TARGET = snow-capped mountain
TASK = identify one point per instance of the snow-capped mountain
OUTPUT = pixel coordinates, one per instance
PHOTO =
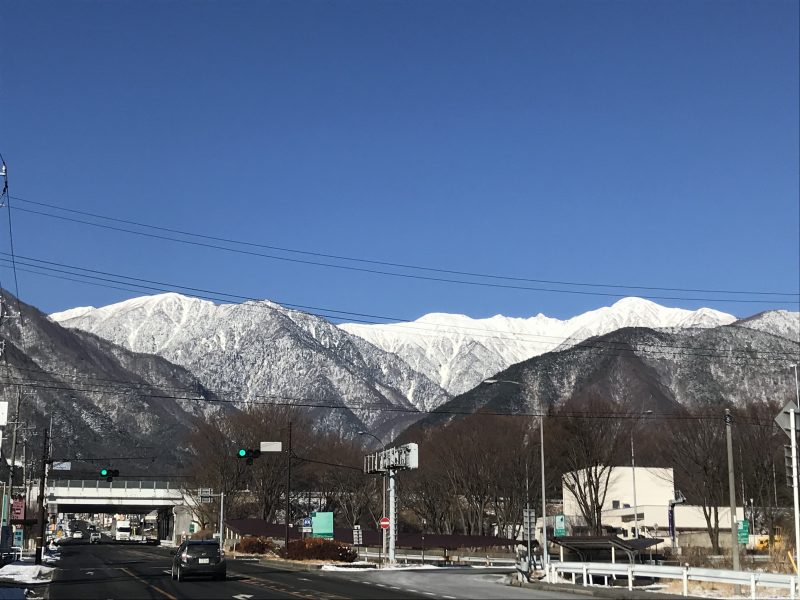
(642, 369)
(777, 322)
(98, 395)
(261, 351)
(458, 352)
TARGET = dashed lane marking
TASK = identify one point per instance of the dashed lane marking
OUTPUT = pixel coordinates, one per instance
(152, 587)
(276, 587)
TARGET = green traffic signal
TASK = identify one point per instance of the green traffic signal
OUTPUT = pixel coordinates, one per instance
(103, 472)
(242, 452)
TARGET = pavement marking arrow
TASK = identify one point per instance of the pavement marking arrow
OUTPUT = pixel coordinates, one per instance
(90, 572)
(243, 597)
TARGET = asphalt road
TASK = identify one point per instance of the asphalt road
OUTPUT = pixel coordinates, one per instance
(121, 572)
(107, 571)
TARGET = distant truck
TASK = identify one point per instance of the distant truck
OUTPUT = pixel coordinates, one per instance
(122, 530)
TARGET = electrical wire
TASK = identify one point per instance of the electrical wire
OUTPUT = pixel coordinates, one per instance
(300, 402)
(391, 264)
(371, 319)
(400, 275)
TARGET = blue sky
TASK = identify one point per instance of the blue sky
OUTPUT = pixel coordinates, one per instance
(638, 143)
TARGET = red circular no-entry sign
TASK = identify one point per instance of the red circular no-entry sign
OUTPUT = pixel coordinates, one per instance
(385, 523)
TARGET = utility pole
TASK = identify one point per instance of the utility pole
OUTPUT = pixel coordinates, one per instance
(7, 499)
(45, 460)
(288, 487)
(528, 520)
(221, 520)
(732, 492)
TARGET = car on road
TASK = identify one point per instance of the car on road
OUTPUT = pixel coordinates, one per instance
(199, 557)
(94, 537)
(77, 535)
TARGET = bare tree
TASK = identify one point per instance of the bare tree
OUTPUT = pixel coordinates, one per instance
(697, 450)
(588, 445)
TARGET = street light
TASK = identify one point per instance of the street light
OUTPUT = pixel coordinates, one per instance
(633, 474)
(383, 490)
(545, 554)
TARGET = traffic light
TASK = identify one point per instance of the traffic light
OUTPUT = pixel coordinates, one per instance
(109, 474)
(249, 454)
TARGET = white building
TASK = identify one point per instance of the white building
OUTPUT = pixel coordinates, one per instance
(654, 490)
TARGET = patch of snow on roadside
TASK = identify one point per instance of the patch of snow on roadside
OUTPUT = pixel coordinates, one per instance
(23, 573)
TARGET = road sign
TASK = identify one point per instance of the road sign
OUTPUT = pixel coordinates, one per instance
(3, 414)
(743, 531)
(561, 526)
(385, 523)
(528, 523)
(358, 536)
(307, 522)
(322, 524)
(62, 466)
(271, 446)
(782, 418)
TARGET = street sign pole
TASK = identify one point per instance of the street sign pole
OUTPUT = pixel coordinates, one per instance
(392, 517)
(732, 491)
(795, 494)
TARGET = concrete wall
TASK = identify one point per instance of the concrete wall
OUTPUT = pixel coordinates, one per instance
(653, 487)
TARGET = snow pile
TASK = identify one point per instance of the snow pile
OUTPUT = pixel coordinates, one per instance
(26, 573)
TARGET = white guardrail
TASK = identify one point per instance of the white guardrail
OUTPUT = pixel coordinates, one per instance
(490, 561)
(592, 572)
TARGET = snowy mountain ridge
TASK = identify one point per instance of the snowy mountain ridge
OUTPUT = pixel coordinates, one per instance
(458, 352)
(259, 350)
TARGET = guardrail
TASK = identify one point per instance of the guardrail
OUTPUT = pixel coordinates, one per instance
(590, 572)
(489, 561)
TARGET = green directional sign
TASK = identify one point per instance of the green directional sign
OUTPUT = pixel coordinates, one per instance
(743, 531)
(560, 529)
(322, 524)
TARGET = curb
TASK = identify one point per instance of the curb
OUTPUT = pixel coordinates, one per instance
(594, 591)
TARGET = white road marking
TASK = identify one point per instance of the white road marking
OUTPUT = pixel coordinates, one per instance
(380, 585)
(449, 597)
(394, 587)
(412, 591)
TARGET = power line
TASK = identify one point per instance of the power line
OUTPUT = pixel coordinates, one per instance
(5, 193)
(301, 402)
(387, 263)
(529, 338)
(407, 275)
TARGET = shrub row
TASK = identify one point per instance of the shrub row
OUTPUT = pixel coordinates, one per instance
(319, 549)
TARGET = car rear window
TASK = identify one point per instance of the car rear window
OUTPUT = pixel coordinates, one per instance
(203, 549)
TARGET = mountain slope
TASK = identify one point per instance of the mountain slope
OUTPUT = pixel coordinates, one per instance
(643, 369)
(261, 351)
(459, 352)
(777, 322)
(104, 400)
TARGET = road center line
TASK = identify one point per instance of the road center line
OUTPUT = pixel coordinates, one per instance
(152, 587)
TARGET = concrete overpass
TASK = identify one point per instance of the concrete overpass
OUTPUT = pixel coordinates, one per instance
(123, 496)
(93, 495)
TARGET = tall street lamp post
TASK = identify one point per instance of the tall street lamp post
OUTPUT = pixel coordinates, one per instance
(633, 475)
(383, 490)
(545, 554)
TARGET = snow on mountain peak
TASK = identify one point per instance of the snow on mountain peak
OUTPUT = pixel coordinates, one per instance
(459, 352)
(71, 313)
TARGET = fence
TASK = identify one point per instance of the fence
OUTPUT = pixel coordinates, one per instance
(591, 572)
(488, 561)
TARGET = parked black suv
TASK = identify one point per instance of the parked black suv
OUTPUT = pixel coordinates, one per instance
(199, 557)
